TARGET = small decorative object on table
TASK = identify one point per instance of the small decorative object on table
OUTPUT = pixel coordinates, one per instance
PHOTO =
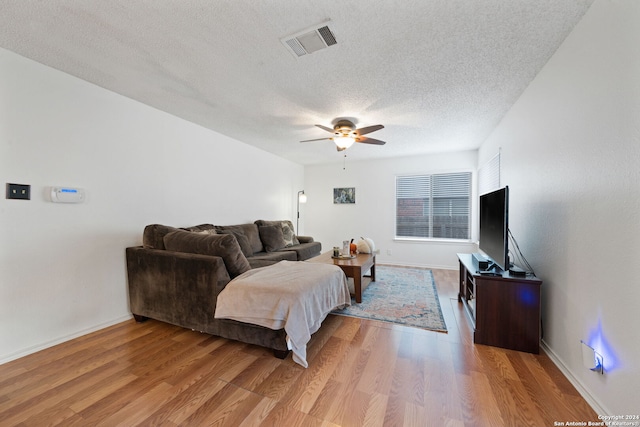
(344, 253)
(346, 248)
(366, 246)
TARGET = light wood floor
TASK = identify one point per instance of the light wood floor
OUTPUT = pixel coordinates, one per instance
(361, 373)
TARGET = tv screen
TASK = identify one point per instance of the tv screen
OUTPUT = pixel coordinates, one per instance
(494, 226)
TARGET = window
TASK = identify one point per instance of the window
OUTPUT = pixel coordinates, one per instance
(434, 206)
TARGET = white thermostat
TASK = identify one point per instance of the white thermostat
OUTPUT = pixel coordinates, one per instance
(67, 195)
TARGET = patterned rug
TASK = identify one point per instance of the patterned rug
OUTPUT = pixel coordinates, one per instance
(406, 296)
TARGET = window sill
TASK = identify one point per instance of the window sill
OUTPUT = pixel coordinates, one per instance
(432, 240)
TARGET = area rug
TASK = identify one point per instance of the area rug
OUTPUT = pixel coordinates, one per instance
(406, 296)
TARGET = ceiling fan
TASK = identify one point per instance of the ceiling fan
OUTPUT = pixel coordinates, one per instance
(345, 134)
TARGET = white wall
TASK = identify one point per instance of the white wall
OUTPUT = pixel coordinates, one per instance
(570, 153)
(373, 214)
(62, 267)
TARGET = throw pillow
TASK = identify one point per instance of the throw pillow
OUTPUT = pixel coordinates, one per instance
(204, 231)
(201, 227)
(284, 224)
(223, 245)
(287, 234)
(272, 237)
(242, 239)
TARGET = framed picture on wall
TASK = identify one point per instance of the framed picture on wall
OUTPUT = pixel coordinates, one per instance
(344, 195)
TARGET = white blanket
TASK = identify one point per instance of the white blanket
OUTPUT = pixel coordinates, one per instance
(293, 295)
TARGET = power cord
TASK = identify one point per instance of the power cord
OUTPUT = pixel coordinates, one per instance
(518, 254)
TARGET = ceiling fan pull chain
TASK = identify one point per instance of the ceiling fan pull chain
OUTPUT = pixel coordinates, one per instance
(344, 162)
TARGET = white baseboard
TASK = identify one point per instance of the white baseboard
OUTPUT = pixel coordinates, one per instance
(592, 401)
(34, 349)
(430, 267)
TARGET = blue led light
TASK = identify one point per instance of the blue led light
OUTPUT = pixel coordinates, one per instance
(528, 297)
(599, 343)
(68, 190)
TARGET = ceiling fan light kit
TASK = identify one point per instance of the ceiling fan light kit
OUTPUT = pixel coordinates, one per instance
(344, 142)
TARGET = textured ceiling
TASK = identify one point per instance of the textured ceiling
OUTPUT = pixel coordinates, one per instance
(439, 75)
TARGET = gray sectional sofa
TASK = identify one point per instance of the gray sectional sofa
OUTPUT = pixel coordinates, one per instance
(177, 274)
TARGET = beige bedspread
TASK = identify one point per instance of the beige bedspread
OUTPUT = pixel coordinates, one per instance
(293, 295)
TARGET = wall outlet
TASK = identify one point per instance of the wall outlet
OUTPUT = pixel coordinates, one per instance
(389, 252)
(18, 191)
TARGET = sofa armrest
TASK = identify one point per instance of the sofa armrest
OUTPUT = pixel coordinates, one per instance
(305, 239)
(175, 287)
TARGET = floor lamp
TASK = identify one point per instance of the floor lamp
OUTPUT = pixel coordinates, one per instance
(302, 198)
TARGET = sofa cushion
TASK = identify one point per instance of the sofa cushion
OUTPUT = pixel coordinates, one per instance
(153, 235)
(272, 237)
(304, 251)
(257, 262)
(223, 245)
(286, 225)
(263, 259)
(250, 230)
(242, 239)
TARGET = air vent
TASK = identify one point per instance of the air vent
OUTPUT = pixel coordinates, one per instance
(310, 40)
(327, 35)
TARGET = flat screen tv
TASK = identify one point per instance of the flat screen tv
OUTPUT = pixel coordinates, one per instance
(494, 226)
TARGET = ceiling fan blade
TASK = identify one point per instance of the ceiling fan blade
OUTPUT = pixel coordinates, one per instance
(369, 129)
(366, 140)
(325, 128)
(319, 139)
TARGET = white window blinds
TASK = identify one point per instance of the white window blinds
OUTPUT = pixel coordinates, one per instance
(433, 206)
(489, 175)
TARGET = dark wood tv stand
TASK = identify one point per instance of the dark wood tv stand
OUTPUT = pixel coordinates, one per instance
(504, 310)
